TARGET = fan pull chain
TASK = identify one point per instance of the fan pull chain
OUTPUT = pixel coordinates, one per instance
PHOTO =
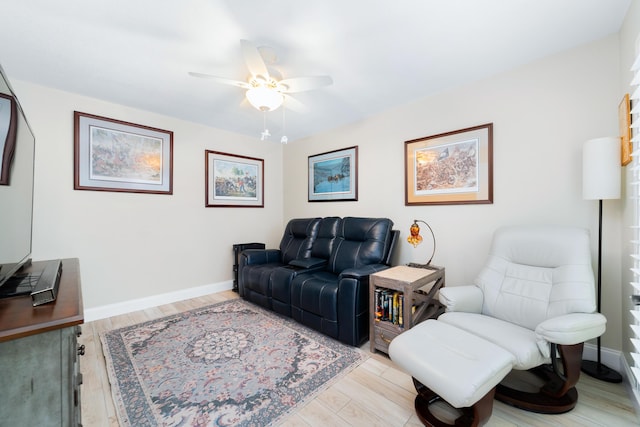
(284, 138)
(265, 133)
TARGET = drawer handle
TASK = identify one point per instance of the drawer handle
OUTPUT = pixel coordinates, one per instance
(81, 350)
(387, 340)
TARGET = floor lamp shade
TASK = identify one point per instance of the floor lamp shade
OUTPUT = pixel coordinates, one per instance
(601, 169)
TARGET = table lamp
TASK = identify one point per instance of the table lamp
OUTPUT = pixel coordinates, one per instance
(415, 239)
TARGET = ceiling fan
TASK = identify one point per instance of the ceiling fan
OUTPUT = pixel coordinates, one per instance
(265, 92)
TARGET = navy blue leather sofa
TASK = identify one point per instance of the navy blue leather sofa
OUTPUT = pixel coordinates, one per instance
(319, 276)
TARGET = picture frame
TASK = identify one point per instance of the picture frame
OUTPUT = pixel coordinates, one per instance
(234, 181)
(450, 168)
(8, 132)
(624, 123)
(333, 176)
(114, 155)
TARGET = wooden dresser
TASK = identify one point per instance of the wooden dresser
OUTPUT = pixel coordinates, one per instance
(39, 355)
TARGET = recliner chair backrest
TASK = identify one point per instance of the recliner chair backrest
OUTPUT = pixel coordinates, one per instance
(298, 238)
(535, 273)
(360, 242)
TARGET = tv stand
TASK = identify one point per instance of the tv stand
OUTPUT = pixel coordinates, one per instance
(39, 349)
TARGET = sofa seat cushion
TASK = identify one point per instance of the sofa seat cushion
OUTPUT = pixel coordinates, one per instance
(258, 277)
(519, 341)
(316, 293)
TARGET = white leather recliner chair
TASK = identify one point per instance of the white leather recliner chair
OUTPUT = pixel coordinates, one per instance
(535, 298)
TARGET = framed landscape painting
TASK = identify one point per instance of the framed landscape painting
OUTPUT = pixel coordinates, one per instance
(333, 176)
(233, 181)
(112, 155)
(450, 168)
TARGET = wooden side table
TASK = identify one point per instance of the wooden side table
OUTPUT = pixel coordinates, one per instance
(400, 298)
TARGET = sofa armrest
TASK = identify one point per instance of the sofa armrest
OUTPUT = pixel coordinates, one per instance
(259, 256)
(569, 329)
(353, 303)
(467, 299)
(308, 263)
(359, 273)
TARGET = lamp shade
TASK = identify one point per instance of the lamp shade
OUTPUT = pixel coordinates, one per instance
(264, 99)
(601, 170)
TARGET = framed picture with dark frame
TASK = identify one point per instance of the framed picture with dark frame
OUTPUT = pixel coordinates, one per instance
(233, 180)
(8, 123)
(113, 155)
(333, 176)
(450, 168)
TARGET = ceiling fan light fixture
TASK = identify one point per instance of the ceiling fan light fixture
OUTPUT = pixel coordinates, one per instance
(264, 99)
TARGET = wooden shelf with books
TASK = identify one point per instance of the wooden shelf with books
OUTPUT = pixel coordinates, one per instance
(400, 298)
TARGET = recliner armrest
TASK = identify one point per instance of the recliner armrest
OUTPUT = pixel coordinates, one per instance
(569, 329)
(467, 298)
(260, 256)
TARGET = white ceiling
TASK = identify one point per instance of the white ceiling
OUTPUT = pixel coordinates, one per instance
(380, 54)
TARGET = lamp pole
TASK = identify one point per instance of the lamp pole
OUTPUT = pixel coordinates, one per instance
(597, 369)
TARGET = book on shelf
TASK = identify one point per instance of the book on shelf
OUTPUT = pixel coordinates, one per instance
(389, 306)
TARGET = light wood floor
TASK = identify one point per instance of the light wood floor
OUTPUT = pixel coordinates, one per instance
(374, 394)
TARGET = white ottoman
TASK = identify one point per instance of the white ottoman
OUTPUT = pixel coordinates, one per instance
(454, 365)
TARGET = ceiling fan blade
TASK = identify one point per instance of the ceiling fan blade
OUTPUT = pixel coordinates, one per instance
(254, 60)
(302, 84)
(290, 103)
(238, 83)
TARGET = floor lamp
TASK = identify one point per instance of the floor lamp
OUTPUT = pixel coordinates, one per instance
(601, 180)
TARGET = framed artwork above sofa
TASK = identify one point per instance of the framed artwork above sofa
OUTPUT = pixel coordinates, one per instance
(450, 168)
(333, 176)
(233, 180)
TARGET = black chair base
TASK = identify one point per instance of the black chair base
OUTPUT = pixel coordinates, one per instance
(476, 415)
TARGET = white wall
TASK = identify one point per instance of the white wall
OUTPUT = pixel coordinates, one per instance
(138, 245)
(542, 113)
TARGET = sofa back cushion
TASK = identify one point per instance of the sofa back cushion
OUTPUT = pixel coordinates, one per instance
(298, 238)
(360, 242)
(327, 233)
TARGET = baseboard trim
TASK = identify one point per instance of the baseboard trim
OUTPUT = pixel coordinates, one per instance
(610, 358)
(631, 385)
(102, 312)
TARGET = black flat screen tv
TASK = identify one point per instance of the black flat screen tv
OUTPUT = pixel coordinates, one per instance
(17, 148)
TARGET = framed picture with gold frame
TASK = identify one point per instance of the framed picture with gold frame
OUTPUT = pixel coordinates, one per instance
(624, 121)
(450, 168)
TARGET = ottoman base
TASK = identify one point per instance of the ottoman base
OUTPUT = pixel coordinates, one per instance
(473, 416)
(558, 393)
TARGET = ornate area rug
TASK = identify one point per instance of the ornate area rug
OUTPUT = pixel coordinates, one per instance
(228, 364)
